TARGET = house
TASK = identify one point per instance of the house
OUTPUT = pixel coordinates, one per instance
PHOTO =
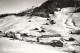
(75, 32)
(57, 43)
(49, 38)
(1, 34)
(18, 36)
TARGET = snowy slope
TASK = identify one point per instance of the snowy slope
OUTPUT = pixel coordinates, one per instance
(21, 24)
(64, 23)
(11, 46)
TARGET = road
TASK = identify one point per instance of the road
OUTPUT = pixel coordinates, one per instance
(16, 46)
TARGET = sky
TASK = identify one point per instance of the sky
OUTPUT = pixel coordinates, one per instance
(14, 6)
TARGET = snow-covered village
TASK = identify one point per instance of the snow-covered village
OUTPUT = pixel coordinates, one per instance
(49, 26)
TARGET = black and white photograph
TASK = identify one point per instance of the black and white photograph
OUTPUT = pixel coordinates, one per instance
(39, 26)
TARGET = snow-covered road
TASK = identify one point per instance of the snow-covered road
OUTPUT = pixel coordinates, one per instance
(15, 46)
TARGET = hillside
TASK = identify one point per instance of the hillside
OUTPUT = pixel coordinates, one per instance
(64, 24)
(52, 17)
(50, 6)
(27, 12)
(14, 23)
